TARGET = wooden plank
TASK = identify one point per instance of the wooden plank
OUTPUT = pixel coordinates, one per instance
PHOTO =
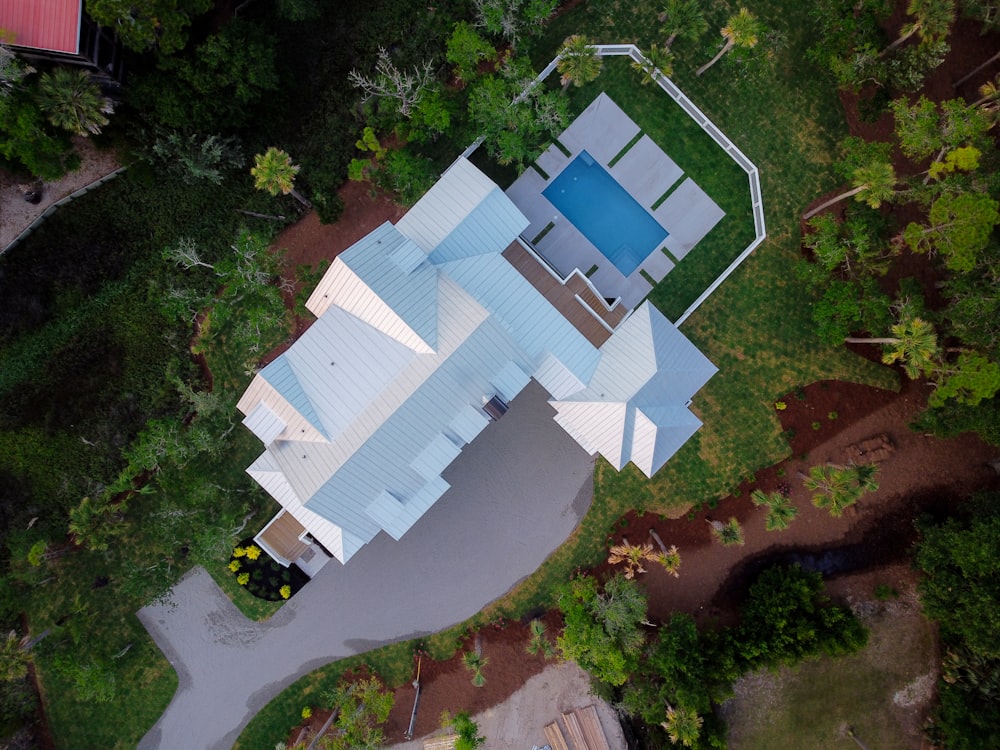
(590, 722)
(441, 743)
(554, 736)
(575, 732)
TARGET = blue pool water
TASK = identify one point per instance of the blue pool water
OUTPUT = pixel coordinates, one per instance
(605, 213)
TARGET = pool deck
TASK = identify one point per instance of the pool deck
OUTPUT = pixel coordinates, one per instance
(648, 175)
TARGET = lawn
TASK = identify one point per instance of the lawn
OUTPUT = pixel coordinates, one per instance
(809, 706)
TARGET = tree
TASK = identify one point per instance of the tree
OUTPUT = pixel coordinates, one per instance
(72, 101)
(683, 725)
(152, 23)
(466, 729)
(13, 70)
(405, 88)
(195, 157)
(729, 533)
(931, 20)
(14, 657)
(466, 50)
(873, 184)
(475, 662)
(926, 129)
(913, 344)
(960, 227)
(958, 589)
(780, 510)
(361, 707)
(786, 619)
(223, 86)
(836, 488)
(511, 19)
(851, 249)
(25, 138)
(274, 173)
(539, 643)
(142, 24)
(657, 62)
(602, 632)
(513, 117)
(682, 18)
(185, 254)
(579, 62)
(969, 380)
(632, 555)
(741, 30)
(987, 12)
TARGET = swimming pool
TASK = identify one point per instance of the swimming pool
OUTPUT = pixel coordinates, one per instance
(605, 213)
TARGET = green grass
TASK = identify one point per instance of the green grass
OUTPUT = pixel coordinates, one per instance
(807, 707)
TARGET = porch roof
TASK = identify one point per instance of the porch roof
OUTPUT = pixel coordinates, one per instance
(51, 25)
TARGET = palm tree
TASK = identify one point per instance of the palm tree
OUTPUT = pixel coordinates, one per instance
(72, 101)
(274, 173)
(539, 642)
(780, 510)
(989, 95)
(14, 657)
(683, 725)
(932, 19)
(658, 63)
(741, 30)
(913, 343)
(836, 488)
(670, 559)
(873, 183)
(579, 62)
(475, 662)
(729, 533)
(632, 555)
(683, 18)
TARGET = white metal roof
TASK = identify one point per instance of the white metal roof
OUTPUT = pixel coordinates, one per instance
(417, 325)
(634, 407)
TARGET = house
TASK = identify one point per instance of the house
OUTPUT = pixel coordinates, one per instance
(60, 31)
(425, 331)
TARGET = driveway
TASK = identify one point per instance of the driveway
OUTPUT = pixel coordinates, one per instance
(517, 493)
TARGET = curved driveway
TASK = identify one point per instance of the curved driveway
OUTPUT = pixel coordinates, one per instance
(517, 493)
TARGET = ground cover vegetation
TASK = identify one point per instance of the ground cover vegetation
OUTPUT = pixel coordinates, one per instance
(671, 675)
(123, 465)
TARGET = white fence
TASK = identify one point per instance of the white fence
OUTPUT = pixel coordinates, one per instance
(61, 202)
(671, 89)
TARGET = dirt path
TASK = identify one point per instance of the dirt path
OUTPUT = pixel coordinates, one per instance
(16, 214)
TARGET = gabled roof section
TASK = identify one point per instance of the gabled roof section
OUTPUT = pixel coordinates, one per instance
(635, 406)
(488, 228)
(51, 25)
(385, 280)
(446, 205)
(286, 382)
(658, 433)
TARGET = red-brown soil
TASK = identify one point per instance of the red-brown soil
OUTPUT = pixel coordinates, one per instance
(822, 421)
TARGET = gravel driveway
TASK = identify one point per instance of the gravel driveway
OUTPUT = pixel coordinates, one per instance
(517, 493)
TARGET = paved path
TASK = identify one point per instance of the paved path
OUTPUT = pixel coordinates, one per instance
(517, 493)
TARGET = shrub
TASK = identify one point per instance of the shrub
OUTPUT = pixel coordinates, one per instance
(780, 405)
(285, 591)
(243, 579)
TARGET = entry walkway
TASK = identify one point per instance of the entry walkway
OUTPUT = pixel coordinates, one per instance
(517, 493)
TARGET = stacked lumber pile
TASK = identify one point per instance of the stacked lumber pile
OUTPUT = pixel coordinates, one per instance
(578, 730)
(873, 450)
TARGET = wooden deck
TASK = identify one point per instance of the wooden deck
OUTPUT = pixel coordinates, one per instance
(282, 536)
(563, 296)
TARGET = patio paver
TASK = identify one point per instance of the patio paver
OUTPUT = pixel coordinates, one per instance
(603, 129)
(688, 214)
(646, 172)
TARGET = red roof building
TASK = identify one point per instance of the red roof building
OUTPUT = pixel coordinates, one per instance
(49, 25)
